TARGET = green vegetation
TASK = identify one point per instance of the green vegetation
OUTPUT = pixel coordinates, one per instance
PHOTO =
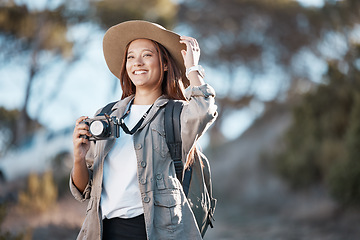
(323, 143)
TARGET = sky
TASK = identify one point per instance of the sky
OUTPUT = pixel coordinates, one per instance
(89, 85)
(311, 3)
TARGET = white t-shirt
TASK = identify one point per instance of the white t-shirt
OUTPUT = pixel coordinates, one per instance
(120, 196)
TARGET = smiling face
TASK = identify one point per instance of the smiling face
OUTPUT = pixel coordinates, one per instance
(143, 64)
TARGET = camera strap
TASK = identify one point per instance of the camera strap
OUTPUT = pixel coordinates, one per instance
(136, 127)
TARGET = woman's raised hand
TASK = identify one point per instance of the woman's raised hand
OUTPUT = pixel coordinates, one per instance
(191, 55)
(191, 58)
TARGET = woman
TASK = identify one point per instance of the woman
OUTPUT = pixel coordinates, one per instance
(130, 182)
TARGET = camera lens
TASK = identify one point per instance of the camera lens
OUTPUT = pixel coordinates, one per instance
(98, 128)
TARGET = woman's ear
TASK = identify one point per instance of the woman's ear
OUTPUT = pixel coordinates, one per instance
(165, 67)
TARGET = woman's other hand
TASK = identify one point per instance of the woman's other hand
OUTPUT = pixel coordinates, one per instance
(81, 144)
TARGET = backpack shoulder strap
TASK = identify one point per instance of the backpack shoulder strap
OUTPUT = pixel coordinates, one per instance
(173, 134)
(107, 109)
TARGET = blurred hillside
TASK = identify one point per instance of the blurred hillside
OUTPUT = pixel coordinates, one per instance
(254, 202)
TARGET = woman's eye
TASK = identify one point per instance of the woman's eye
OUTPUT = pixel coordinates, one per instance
(147, 55)
(129, 57)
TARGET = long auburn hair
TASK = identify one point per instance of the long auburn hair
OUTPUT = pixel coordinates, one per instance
(170, 80)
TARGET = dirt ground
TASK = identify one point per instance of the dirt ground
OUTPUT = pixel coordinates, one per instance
(284, 215)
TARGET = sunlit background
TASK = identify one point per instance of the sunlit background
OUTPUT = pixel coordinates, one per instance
(284, 151)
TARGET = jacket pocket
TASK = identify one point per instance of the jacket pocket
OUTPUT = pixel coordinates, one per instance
(159, 141)
(168, 214)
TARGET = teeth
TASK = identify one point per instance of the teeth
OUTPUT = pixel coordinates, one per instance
(139, 72)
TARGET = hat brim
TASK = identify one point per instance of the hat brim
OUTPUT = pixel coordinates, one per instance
(118, 36)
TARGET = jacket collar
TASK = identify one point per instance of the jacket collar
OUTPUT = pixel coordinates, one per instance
(160, 102)
(121, 106)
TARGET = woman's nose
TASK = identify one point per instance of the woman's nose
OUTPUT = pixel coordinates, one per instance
(138, 61)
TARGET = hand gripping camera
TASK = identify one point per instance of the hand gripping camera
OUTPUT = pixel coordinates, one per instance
(102, 127)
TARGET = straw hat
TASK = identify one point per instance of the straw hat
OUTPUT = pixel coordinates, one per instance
(117, 37)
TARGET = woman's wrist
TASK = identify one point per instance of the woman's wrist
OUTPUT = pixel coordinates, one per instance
(195, 74)
(79, 160)
(195, 79)
(195, 68)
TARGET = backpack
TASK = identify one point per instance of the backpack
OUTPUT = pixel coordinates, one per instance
(196, 179)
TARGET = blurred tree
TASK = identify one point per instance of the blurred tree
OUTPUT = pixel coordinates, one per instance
(32, 33)
(323, 143)
(8, 127)
(111, 12)
(260, 35)
(344, 179)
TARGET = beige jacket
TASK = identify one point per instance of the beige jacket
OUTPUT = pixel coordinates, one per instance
(166, 210)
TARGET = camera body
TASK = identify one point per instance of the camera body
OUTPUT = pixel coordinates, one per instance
(102, 127)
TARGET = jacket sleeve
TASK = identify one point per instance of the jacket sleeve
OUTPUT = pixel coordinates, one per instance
(197, 115)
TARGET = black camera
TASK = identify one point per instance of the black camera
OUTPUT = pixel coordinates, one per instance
(102, 127)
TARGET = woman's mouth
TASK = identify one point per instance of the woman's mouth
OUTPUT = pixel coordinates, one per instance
(139, 72)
